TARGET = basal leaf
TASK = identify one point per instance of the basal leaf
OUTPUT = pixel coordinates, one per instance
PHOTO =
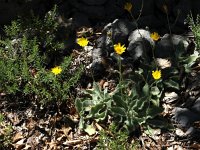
(78, 105)
(96, 109)
(118, 111)
(155, 90)
(171, 84)
(90, 129)
(145, 89)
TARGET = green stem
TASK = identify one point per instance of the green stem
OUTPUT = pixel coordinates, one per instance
(120, 74)
(120, 70)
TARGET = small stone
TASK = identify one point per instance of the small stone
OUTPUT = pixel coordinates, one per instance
(170, 97)
(179, 132)
(105, 85)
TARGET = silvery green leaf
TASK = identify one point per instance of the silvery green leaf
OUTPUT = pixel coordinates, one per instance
(119, 101)
(145, 89)
(153, 111)
(155, 90)
(78, 105)
(171, 84)
(101, 116)
(118, 111)
(96, 109)
(191, 59)
(87, 104)
(90, 129)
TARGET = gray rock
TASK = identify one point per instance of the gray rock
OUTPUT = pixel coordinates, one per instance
(140, 44)
(98, 55)
(196, 106)
(185, 117)
(94, 2)
(114, 32)
(119, 29)
(140, 35)
(104, 42)
(168, 44)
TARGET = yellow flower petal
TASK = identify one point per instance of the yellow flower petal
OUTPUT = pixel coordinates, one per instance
(156, 74)
(56, 70)
(119, 49)
(128, 7)
(155, 36)
(82, 41)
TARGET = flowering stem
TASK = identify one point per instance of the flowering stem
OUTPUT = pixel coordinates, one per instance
(120, 70)
(140, 11)
(168, 24)
(120, 74)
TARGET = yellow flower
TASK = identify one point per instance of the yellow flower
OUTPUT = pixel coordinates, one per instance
(155, 36)
(82, 41)
(56, 70)
(128, 7)
(156, 74)
(119, 49)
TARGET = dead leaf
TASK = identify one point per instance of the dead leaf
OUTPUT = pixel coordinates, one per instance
(18, 136)
(170, 97)
(20, 144)
(163, 63)
(90, 130)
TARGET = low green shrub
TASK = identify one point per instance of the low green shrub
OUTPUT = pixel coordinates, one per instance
(115, 140)
(5, 133)
(130, 105)
(195, 27)
(28, 52)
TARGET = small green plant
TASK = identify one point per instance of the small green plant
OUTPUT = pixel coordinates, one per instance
(28, 52)
(195, 27)
(5, 133)
(129, 105)
(115, 140)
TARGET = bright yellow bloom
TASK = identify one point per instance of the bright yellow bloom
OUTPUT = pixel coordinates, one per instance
(155, 36)
(156, 74)
(82, 41)
(128, 7)
(119, 49)
(56, 70)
